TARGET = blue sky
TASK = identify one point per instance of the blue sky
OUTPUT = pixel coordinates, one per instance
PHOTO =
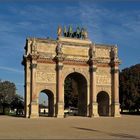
(107, 21)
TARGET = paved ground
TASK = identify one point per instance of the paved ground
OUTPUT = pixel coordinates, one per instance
(126, 127)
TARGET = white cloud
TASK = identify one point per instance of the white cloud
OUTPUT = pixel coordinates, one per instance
(106, 23)
(11, 69)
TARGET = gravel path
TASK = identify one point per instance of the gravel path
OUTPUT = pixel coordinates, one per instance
(125, 127)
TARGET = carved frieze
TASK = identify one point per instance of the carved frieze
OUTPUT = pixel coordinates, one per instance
(103, 76)
(45, 77)
(102, 53)
(103, 79)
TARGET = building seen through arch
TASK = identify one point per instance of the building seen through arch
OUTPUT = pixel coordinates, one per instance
(73, 72)
(46, 107)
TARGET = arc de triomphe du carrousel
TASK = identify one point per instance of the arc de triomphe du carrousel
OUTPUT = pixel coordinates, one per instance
(95, 67)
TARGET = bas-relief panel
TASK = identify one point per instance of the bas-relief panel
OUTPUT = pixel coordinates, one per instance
(103, 76)
(46, 74)
(102, 52)
(45, 77)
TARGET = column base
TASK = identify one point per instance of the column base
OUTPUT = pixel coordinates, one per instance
(34, 110)
(34, 116)
(94, 110)
(60, 110)
(116, 110)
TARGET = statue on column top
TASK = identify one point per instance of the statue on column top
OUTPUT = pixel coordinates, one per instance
(59, 31)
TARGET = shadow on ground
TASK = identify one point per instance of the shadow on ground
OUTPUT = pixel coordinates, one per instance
(119, 135)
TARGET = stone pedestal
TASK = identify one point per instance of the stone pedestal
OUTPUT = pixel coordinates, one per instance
(34, 110)
(117, 110)
(95, 109)
(60, 111)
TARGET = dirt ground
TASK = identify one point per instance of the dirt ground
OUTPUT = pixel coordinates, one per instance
(125, 127)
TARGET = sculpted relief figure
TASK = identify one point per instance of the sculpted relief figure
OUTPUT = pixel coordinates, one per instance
(92, 51)
(34, 47)
(114, 53)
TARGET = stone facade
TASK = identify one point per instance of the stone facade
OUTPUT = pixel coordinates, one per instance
(48, 62)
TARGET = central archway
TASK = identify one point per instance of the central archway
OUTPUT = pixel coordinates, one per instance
(75, 94)
(48, 105)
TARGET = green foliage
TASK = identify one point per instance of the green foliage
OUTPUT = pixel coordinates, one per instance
(130, 88)
(17, 102)
(71, 97)
(7, 92)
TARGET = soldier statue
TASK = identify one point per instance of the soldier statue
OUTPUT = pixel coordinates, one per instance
(59, 49)
(70, 32)
(59, 31)
(78, 35)
(84, 33)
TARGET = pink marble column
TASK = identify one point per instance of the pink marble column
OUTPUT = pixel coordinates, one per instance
(116, 105)
(93, 98)
(34, 105)
(60, 96)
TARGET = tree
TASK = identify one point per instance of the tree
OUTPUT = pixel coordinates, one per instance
(71, 93)
(130, 88)
(7, 92)
(18, 104)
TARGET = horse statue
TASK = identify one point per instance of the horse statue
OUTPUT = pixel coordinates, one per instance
(70, 32)
(65, 31)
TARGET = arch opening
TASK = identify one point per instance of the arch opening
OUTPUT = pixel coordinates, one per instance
(75, 95)
(46, 103)
(103, 103)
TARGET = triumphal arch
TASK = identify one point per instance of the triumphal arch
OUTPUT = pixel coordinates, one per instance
(95, 67)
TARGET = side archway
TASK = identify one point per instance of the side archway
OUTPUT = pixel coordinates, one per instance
(49, 103)
(103, 103)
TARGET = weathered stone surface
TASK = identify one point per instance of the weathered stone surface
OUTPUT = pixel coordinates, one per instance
(56, 59)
